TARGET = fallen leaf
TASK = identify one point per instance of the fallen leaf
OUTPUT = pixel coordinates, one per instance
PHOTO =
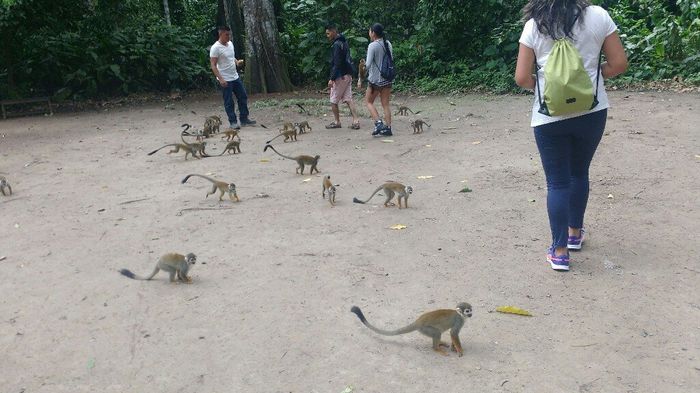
(2, 258)
(305, 180)
(91, 363)
(463, 181)
(348, 389)
(264, 160)
(16, 225)
(697, 156)
(388, 140)
(432, 146)
(398, 226)
(209, 173)
(426, 177)
(513, 310)
(465, 189)
(530, 200)
(358, 147)
(476, 142)
(610, 196)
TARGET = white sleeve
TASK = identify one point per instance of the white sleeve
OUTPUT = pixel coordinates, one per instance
(527, 37)
(608, 23)
(213, 52)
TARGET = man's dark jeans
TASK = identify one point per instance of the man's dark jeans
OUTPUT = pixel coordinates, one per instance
(235, 88)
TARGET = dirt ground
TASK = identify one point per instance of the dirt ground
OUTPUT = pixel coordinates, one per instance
(269, 309)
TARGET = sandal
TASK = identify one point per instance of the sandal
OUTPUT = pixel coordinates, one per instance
(333, 125)
(355, 126)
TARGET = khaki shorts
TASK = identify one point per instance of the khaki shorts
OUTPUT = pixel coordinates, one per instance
(342, 90)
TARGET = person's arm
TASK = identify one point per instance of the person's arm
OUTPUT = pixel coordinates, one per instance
(336, 61)
(616, 58)
(217, 74)
(523, 69)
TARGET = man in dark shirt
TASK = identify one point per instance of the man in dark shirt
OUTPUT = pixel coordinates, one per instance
(340, 81)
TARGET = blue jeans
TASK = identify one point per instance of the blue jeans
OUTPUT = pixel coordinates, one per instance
(235, 88)
(567, 148)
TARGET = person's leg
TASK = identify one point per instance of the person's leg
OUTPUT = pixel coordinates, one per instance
(348, 99)
(587, 132)
(554, 145)
(385, 96)
(370, 95)
(334, 99)
(228, 104)
(242, 98)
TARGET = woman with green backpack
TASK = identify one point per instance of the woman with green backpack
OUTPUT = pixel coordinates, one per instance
(564, 40)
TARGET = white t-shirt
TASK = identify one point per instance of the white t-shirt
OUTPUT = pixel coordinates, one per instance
(590, 31)
(226, 62)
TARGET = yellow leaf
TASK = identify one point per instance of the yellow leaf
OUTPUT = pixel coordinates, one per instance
(697, 156)
(476, 142)
(398, 226)
(388, 140)
(305, 180)
(426, 177)
(264, 160)
(432, 146)
(513, 310)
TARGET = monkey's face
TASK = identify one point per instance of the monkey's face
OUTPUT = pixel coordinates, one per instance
(409, 190)
(191, 259)
(465, 309)
(232, 188)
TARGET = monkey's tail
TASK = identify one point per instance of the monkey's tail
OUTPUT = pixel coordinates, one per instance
(278, 135)
(406, 329)
(129, 274)
(186, 127)
(370, 197)
(197, 175)
(154, 151)
(278, 153)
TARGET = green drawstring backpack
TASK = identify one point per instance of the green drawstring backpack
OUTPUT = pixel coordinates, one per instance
(568, 88)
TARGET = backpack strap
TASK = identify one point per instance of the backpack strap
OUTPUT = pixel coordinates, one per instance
(543, 106)
(597, 77)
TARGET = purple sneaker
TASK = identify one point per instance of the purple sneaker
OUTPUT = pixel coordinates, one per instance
(575, 242)
(558, 262)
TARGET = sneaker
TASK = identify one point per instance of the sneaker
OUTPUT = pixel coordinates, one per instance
(386, 131)
(558, 262)
(378, 127)
(235, 126)
(247, 122)
(575, 242)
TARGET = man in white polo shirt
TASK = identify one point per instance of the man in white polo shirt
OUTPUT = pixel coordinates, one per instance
(223, 64)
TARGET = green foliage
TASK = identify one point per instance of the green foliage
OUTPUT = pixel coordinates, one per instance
(661, 41)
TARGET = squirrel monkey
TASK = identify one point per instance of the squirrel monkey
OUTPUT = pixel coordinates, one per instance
(231, 133)
(403, 111)
(391, 188)
(328, 186)
(417, 125)
(211, 126)
(177, 265)
(361, 73)
(301, 160)
(188, 149)
(432, 324)
(232, 147)
(5, 185)
(303, 126)
(223, 187)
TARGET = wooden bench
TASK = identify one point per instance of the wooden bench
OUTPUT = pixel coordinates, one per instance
(5, 103)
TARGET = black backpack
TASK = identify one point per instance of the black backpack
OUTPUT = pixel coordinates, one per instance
(387, 70)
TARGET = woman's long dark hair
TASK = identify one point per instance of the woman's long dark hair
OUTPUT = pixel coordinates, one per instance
(555, 18)
(378, 29)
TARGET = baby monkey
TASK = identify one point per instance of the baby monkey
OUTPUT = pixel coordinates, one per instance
(177, 265)
(301, 160)
(303, 126)
(232, 147)
(432, 324)
(192, 149)
(391, 188)
(417, 126)
(403, 111)
(5, 185)
(328, 186)
(223, 187)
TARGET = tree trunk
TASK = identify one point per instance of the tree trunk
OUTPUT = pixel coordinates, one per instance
(166, 10)
(265, 68)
